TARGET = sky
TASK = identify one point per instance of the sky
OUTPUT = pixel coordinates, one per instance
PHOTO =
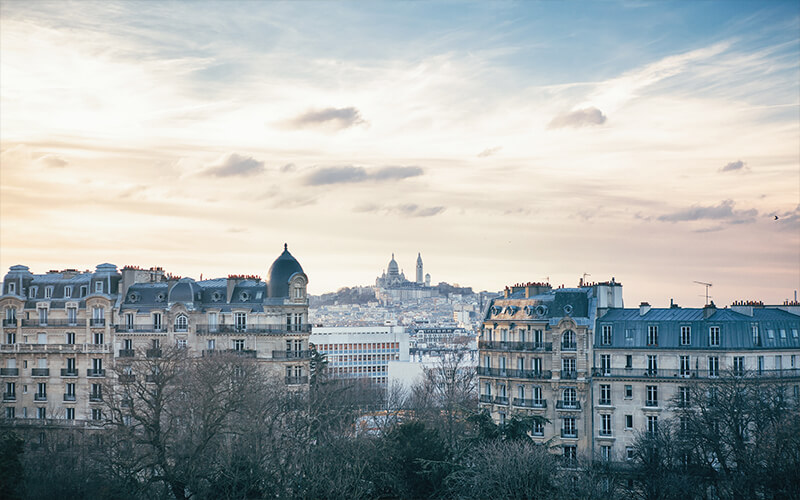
(652, 142)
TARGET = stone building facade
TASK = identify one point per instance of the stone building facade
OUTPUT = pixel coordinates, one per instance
(68, 333)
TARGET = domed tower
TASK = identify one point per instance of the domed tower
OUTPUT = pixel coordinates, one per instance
(393, 270)
(419, 269)
(286, 278)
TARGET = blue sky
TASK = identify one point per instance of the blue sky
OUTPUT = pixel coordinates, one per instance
(506, 141)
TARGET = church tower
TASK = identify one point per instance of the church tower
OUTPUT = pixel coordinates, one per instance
(419, 269)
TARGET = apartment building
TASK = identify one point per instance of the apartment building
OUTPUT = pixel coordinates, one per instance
(535, 351)
(67, 333)
(362, 352)
(600, 373)
(644, 359)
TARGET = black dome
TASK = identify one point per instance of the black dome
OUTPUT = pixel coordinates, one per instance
(183, 291)
(279, 273)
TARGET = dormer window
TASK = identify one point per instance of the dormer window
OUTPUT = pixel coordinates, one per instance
(48, 292)
(84, 289)
(98, 287)
(67, 292)
(32, 291)
(713, 336)
(298, 292)
(11, 287)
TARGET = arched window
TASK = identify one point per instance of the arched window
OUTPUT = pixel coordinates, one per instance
(181, 323)
(570, 397)
(568, 341)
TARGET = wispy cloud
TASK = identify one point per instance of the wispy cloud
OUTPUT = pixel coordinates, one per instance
(489, 152)
(348, 174)
(403, 209)
(53, 161)
(578, 118)
(723, 211)
(235, 165)
(333, 118)
(734, 166)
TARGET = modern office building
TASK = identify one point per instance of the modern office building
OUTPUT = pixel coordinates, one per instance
(67, 333)
(361, 352)
(599, 372)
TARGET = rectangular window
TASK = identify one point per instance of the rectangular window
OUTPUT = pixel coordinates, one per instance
(41, 338)
(686, 335)
(72, 315)
(238, 345)
(629, 453)
(713, 366)
(83, 291)
(181, 343)
(783, 333)
(652, 395)
(98, 338)
(606, 335)
(605, 428)
(10, 412)
(129, 321)
(738, 366)
(683, 396)
(629, 421)
(70, 413)
(69, 337)
(536, 364)
(212, 322)
(628, 391)
(760, 364)
(756, 336)
(156, 321)
(568, 427)
(652, 335)
(48, 292)
(652, 364)
(97, 414)
(11, 288)
(538, 428)
(628, 361)
(42, 316)
(568, 368)
(98, 287)
(211, 344)
(67, 292)
(605, 364)
(713, 336)
(537, 395)
(652, 424)
(685, 366)
(778, 362)
(605, 394)
(240, 320)
(41, 413)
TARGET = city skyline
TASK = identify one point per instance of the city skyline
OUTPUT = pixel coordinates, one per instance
(655, 143)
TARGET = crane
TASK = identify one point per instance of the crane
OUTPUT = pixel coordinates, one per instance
(707, 285)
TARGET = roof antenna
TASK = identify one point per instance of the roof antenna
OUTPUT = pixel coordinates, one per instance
(707, 285)
(285, 247)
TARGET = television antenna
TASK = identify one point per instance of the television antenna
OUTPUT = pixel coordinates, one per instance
(707, 285)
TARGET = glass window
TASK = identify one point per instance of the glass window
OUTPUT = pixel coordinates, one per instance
(686, 335)
(713, 336)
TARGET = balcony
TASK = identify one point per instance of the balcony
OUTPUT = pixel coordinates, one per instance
(509, 373)
(150, 328)
(569, 433)
(485, 398)
(569, 374)
(568, 405)
(604, 433)
(569, 346)
(297, 380)
(40, 397)
(529, 403)
(604, 402)
(291, 354)
(49, 323)
(126, 378)
(9, 396)
(9, 372)
(247, 353)
(40, 372)
(91, 372)
(10, 322)
(97, 322)
(126, 353)
(56, 348)
(501, 400)
(676, 373)
(95, 398)
(70, 398)
(493, 345)
(252, 329)
(651, 403)
(69, 372)
(153, 353)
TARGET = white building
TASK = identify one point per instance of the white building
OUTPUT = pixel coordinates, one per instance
(361, 351)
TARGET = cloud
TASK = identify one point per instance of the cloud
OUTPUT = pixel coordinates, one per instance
(235, 165)
(579, 118)
(723, 211)
(489, 152)
(334, 118)
(404, 209)
(288, 167)
(53, 161)
(348, 174)
(734, 165)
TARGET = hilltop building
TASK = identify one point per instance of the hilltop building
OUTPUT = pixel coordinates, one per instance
(66, 333)
(600, 372)
(392, 286)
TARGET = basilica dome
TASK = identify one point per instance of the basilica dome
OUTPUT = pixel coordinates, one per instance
(393, 269)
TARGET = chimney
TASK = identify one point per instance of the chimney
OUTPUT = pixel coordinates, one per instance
(709, 310)
(672, 304)
(506, 292)
(643, 308)
(171, 281)
(233, 280)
